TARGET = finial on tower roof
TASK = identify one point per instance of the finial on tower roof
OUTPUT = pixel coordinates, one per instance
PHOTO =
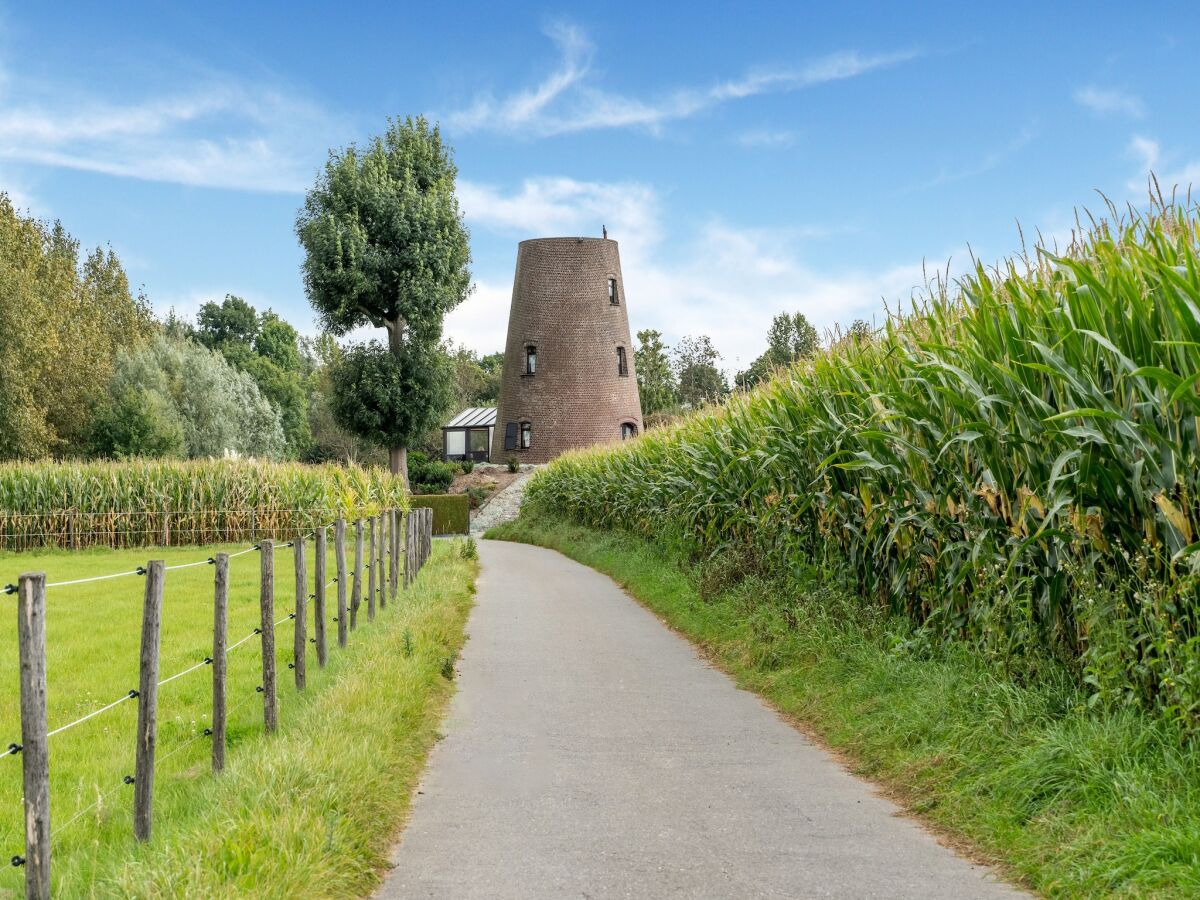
(604, 228)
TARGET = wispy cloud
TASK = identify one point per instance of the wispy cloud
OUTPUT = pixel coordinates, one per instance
(1109, 102)
(719, 279)
(765, 138)
(1150, 160)
(215, 133)
(567, 100)
(990, 160)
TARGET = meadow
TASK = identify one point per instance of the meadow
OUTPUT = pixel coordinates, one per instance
(93, 633)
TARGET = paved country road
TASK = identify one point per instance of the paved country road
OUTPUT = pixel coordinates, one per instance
(590, 752)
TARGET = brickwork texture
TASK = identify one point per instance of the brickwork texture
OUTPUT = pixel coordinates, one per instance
(560, 305)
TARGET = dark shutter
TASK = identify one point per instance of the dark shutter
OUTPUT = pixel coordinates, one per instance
(510, 436)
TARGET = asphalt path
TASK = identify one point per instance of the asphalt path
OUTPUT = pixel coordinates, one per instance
(591, 752)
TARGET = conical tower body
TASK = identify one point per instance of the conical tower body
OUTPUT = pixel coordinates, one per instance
(568, 363)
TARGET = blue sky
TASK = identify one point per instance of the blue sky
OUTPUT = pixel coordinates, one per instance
(778, 157)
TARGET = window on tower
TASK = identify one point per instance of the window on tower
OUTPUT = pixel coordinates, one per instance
(628, 431)
(622, 365)
(526, 435)
(530, 360)
(613, 298)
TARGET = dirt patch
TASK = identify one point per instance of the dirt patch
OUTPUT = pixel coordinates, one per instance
(490, 480)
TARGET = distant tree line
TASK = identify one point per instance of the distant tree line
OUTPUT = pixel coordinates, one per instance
(86, 370)
(672, 380)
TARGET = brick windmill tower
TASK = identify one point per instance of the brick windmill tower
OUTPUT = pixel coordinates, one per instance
(568, 364)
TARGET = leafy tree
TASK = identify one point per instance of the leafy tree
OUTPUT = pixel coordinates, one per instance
(63, 321)
(385, 246)
(790, 337)
(231, 322)
(137, 422)
(269, 350)
(656, 380)
(218, 408)
(700, 380)
(330, 441)
(377, 394)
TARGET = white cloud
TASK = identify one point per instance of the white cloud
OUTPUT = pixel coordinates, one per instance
(1110, 102)
(1151, 161)
(563, 207)
(219, 133)
(567, 100)
(722, 281)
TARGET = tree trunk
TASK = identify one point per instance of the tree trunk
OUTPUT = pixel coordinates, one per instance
(399, 463)
(398, 454)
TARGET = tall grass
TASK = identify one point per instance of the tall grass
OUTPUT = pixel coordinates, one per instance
(142, 502)
(1014, 463)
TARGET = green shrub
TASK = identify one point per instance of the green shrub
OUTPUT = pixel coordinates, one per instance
(469, 549)
(1017, 463)
(514, 464)
(451, 512)
(428, 476)
(467, 466)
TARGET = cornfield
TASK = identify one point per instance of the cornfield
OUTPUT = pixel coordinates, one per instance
(1014, 463)
(142, 502)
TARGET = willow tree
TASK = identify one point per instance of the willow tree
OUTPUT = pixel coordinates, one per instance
(385, 246)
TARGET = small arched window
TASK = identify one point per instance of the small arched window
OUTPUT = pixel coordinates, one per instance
(622, 365)
(613, 297)
(628, 431)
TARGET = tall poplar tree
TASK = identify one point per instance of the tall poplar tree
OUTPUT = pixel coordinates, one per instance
(385, 246)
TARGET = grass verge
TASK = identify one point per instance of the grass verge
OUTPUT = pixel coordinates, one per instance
(1069, 800)
(310, 811)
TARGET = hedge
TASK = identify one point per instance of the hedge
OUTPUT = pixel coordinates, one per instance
(451, 512)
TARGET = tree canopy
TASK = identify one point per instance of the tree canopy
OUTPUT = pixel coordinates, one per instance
(656, 380)
(790, 337)
(385, 246)
(700, 380)
(63, 320)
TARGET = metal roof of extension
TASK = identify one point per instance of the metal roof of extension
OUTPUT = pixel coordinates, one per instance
(473, 417)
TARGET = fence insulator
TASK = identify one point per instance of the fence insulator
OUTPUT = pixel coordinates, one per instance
(128, 779)
(291, 665)
(141, 570)
(258, 631)
(10, 589)
(259, 689)
(14, 749)
(208, 732)
(212, 561)
(132, 694)
(18, 860)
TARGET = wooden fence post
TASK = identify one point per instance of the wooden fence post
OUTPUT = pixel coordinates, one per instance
(382, 581)
(300, 632)
(372, 528)
(339, 552)
(220, 662)
(356, 594)
(147, 724)
(35, 761)
(394, 563)
(266, 600)
(319, 594)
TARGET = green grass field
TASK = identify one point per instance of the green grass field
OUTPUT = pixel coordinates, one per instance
(93, 633)
(1071, 799)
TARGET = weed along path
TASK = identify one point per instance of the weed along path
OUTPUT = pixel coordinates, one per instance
(590, 752)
